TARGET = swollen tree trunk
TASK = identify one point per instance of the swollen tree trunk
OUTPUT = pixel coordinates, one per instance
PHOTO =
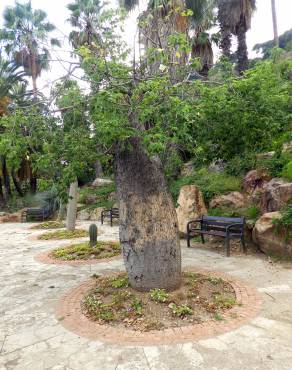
(148, 222)
(275, 25)
(242, 58)
(72, 206)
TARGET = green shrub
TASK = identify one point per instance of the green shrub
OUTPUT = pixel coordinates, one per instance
(287, 171)
(276, 164)
(209, 183)
(285, 222)
(102, 194)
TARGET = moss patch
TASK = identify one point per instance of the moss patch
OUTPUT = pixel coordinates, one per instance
(84, 251)
(200, 298)
(49, 225)
(64, 234)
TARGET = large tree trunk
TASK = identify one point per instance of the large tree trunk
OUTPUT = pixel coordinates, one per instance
(2, 200)
(6, 178)
(275, 25)
(242, 58)
(148, 222)
(72, 207)
(33, 184)
(225, 42)
(16, 184)
(98, 169)
(34, 75)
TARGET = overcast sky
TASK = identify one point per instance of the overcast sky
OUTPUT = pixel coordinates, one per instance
(261, 28)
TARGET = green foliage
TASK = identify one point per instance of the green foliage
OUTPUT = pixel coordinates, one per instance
(209, 183)
(284, 224)
(252, 212)
(102, 193)
(287, 171)
(120, 282)
(159, 295)
(180, 310)
(64, 234)
(277, 164)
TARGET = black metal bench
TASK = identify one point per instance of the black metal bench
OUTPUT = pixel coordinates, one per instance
(112, 213)
(225, 227)
(38, 214)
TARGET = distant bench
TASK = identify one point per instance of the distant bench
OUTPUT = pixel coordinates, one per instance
(112, 213)
(225, 227)
(37, 214)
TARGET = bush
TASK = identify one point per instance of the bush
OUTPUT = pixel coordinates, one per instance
(277, 164)
(287, 171)
(209, 183)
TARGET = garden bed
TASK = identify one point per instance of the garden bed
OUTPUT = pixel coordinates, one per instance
(64, 234)
(199, 299)
(84, 251)
(49, 225)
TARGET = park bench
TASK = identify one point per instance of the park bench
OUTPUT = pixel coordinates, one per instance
(37, 213)
(225, 227)
(112, 213)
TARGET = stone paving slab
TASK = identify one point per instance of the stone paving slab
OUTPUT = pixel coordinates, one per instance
(31, 337)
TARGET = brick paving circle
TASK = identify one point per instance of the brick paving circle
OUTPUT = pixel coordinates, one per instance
(45, 257)
(69, 314)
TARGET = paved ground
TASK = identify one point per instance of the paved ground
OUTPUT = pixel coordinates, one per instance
(31, 338)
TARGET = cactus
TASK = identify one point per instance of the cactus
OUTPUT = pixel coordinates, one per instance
(93, 235)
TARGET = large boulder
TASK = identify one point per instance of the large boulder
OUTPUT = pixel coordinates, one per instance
(270, 240)
(101, 182)
(83, 215)
(90, 199)
(95, 214)
(254, 181)
(191, 206)
(276, 194)
(231, 200)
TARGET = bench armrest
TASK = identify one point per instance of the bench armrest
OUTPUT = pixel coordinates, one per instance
(193, 222)
(237, 225)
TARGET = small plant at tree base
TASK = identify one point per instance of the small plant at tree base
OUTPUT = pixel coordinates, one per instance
(137, 305)
(159, 295)
(93, 235)
(120, 282)
(180, 310)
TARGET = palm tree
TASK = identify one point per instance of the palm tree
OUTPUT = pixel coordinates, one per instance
(10, 76)
(275, 25)
(83, 17)
(235, 18)
(25, 38)
(167, 18)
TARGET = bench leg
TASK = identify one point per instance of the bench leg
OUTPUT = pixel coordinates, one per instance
(101, 219)
(244, 247)
(203, 239)
(188, 241)
(227, 246)
(111, 220)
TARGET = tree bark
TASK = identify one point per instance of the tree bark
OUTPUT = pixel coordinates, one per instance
(6, 178)
(34, 75)
(225, 43)
(72, 207)
(242, 56)
(2, 200)
(62, 211)
(98, 169)
(148, 222)
(33, 184)
(16, 184)
(275, 24)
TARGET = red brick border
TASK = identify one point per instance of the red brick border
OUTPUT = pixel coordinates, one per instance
(70, 315)
(45, 257)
